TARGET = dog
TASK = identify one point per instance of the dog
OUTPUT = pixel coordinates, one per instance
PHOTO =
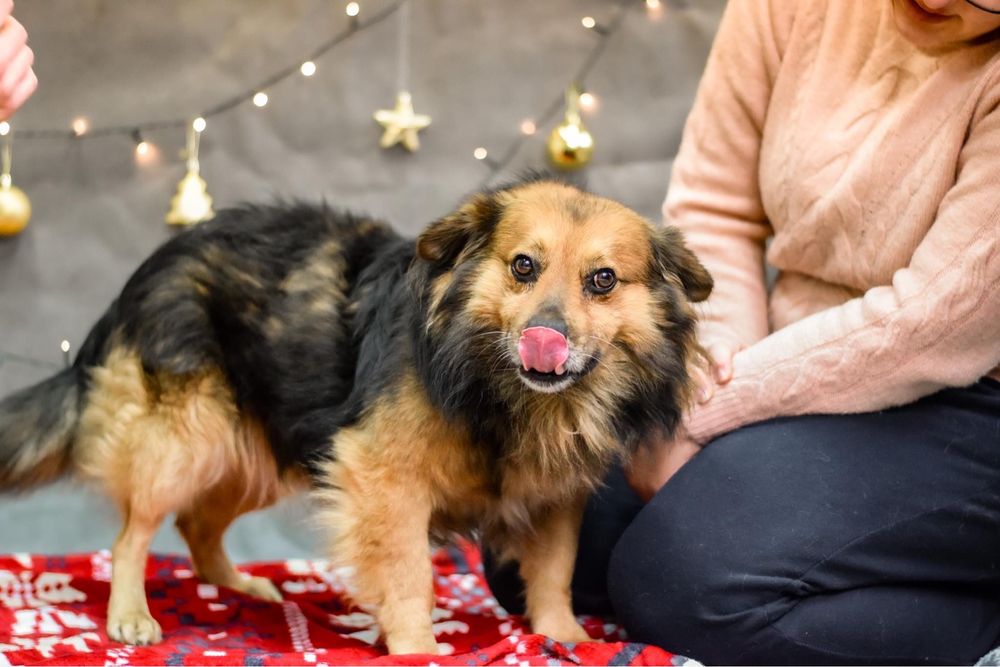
(482, 377)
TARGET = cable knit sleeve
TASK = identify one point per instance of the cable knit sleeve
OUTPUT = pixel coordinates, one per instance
(714, 195)
(936, 325)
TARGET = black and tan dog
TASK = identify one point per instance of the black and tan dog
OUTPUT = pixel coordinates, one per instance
(481, 377)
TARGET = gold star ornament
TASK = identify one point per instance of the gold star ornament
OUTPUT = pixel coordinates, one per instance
(401, 124)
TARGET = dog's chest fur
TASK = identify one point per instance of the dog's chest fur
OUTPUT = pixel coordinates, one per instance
(549, 459)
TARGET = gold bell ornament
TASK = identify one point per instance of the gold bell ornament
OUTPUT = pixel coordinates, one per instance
(192, 203)
(570, 145)
(15, 207)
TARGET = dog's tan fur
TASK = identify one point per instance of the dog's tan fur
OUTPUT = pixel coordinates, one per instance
(164, 445)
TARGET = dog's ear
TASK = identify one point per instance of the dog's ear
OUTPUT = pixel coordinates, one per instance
(672, 256)
(466, 229)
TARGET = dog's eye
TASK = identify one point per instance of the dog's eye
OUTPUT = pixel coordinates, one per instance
(523, 268)
(603, 281)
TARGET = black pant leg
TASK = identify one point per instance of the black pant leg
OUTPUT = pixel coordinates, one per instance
(855, 539)
(609, 512)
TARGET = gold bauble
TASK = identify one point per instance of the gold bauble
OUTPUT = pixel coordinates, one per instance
(15, 209)
(570, 145)
(192, 203)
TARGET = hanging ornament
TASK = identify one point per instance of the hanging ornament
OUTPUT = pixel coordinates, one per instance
(15, 207)
(192, 203)
(401, 123)
(570, 145)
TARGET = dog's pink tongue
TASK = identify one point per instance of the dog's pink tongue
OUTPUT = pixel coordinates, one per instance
(543, 349)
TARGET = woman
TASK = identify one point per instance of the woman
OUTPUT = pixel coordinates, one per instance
(846, 508)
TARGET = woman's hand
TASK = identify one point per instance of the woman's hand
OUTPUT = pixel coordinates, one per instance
(17, 79)
(719, 373)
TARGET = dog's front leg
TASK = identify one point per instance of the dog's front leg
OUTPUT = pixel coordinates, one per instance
(381, 518)
(547, 558)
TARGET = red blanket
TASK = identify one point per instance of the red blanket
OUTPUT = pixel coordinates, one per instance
(52, 611)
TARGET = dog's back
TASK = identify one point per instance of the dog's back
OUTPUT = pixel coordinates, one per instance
(248, 298)
(189, 395)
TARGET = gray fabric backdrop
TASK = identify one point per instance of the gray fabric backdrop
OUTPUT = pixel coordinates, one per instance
(478, 68)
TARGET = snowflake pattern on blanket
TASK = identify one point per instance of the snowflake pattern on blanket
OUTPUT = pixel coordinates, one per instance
(52, 612)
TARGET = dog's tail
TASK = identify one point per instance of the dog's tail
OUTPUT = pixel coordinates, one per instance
(37, 427)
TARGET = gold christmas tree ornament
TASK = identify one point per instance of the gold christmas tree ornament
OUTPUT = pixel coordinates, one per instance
(401, 123)
(570, 145)
(15, 207)
(192, 203)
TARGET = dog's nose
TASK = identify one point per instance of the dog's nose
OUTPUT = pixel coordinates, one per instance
(549, 318)
(543, 349)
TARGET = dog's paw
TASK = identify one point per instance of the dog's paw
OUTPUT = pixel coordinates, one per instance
(261, 588)
(565, 630)
(424, 645)
(137, 628)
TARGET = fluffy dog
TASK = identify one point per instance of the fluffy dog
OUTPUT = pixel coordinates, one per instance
(482, 377)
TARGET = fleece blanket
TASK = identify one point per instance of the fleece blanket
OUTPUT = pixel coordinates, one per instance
(53, 611)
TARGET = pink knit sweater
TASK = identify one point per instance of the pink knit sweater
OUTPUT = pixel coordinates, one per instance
(875, 170)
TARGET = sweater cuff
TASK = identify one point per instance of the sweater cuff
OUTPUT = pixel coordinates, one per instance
(727, 410)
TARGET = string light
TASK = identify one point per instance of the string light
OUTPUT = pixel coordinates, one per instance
(141, 145)
(80, 126)
(145, 152)
(528, 127)
(653, 4)
(64, 346)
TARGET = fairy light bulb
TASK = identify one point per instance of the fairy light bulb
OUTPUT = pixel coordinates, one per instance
(308, 68)
(80, 126)
(528, 127)
(653, 4)
(588, 22)
(588, 102)
(480, 153)
(198, 124)
(260, 99)
(145, 152)
(352, 9)
(141, 145)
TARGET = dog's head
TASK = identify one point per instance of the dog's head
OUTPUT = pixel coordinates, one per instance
(548, 289)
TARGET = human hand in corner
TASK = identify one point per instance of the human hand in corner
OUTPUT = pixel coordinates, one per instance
(17, 78)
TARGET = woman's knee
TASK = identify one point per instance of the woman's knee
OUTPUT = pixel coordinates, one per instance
(698, 570)
(665, 586)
